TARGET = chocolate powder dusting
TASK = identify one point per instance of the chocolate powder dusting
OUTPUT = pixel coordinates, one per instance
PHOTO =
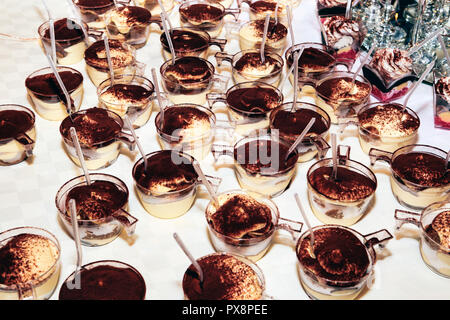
(188, 70)
(98, 200)
(200, 12)
(340, 256)
(225, 278)
(93, 126)
(258, 100)
(184, 40)
(176, 118)
(253, 60)
(106, 282)
(130, 92)
(439, 230)
(95, 55)
(94, 3)
(312, 60)
(340, 88)
(424, 169)
(275, 32)
(162, 171)
(291, 124)
(14, 122)
(242, 216)
(65, 29)
(46, 87)
(263, 6)
(135, 15)
(349, 185)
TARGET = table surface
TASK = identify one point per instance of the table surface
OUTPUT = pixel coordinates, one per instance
(27, 190)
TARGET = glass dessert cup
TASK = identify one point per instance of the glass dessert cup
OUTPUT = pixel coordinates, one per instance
(47, 97)
(104, 280)
(322, 285)
(256, 170)
(258, 9)
(205, 15)
(251, 33)
(153, 6)
(123, 58)
(190, 42)
(434, 245)
(70, 41)
(290, 123)
(248, 105)
(346, 42)
(102, 153)
(256, 237)
(386, 132)
(420, 175)
(44, 280)
(136, 101)
(441, 99)
(93, 14)
(348, 100)
(130, 24)
(195, 141)
(390, 74)
(166, 202)
(227, 276)
(327, 8)
(17, 134)
(316, 61)
(96, 231)
(247, 66)
(185, 89)
(341, 201)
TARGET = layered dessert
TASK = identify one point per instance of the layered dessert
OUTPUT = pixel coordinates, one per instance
(240, 224)
(249, 67)
(387, 127)
(188, 128)
(70, 40)
(331, 7)
(260, 8)
(263, 165)
(93, 11)
(99, 132)
(226, 277)
(153, 6)
(390, 73)
(188, 80)
(251, 34)
(186, 42)
(339, 97)
(442, 103)
(131, 96)
(420, 178)
(97, 205)
(435, 248)
(249, 105)
(206, 16)
(17, 134)
(344, 199)
(29, 266)
(167, 188)
(47, 96)
(122, 60)
(343, 35)
(336, 266)
(129, 23)
(291, 123)
(105, 280)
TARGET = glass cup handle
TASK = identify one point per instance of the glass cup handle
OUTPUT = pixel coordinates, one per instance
(402, 217)
(27, 142)
(218, 42)
(140, 68)
(214, 181)
(226, 125)
(214, 97)
(128, 139)
(232, 28)
(157, 21)
(127, 220)
(219, 150)
(377, 154)
(321, 145)
(235, 12)
(344, 122)
(222, 56)
(95, 34)
(220, 82)
(290, 226)
(377, 238)
(343, 152)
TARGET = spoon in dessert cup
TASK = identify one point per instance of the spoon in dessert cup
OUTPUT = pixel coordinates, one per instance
(264, 38)
(52, 31)
(79, 20)
(311, 233)
(164, 12)
(291, 69)
(272, 30)
(419, 45)
(76, 143)
(300, 138)
(363, 62)
(77, 239)
(164, 21)
(68, 102)
(334, 155)
(191, 258)
(158, 97)
(138, 143)
(291, 30)
(108, 58)
(416, 85)
(295, 64)
(206, 183)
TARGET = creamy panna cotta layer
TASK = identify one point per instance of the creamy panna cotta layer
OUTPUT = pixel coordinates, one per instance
(92, 12)
(167, 189)
(28, 261)
(248, 66)
(153, 6)
(122, 59)
(48, 98)
(251, 33)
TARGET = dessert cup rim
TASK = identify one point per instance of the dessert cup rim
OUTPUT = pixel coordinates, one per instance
(43, 26)
(5, 107)
(205, 35)
(271, 54)
(428, 210)
(342, 74)
(123, 5)
(124, 45)
(168, 62)
(75, 2)
(330, 52)
(187, 3)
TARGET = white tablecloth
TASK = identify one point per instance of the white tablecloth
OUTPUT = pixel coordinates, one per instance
(27, 190)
